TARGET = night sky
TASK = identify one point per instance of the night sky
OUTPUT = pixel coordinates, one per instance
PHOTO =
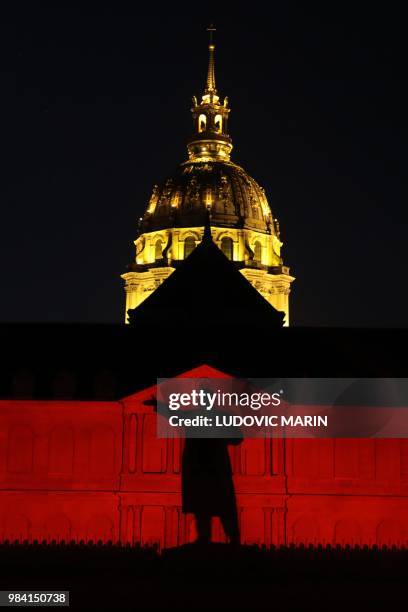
(95, 110)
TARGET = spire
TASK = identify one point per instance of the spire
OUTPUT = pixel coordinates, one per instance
(210, 86)
(210, 139)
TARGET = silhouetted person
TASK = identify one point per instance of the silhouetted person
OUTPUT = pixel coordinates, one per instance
(207, 486)
(206, 480)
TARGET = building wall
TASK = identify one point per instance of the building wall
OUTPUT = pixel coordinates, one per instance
(275, 288)
(96, 471)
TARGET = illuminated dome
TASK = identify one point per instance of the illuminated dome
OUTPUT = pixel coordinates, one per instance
(210, 185)
(209, 180)
(232, 196)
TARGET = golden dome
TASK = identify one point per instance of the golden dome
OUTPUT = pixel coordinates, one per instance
(233, 198)
(209, 180)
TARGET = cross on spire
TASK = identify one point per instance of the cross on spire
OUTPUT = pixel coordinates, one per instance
(211, 29)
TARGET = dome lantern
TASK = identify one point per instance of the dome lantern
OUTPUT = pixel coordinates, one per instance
(210, 140)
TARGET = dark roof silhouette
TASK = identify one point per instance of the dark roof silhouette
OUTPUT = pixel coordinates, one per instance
(126, 358)
(206, 289)
(226, 325)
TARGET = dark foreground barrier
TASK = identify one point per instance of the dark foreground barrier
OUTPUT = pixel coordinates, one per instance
(111, 576)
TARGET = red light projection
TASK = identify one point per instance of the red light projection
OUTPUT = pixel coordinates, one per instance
(96, 471)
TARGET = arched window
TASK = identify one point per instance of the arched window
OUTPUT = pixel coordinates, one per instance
(208, 197)
(64, 384)
(258, 251)
(202, 123)
(23, 384)
(227, 247)
(189, 246)
(158, 250)
(218, 123)
(176, 199)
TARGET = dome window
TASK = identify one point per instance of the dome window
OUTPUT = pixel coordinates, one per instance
(202, 123)
(158, 250)
(189, 246)
(258, 252)
(218, 123)
(176, 199)
(227, 247)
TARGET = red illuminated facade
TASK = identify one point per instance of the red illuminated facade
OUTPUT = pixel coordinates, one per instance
(95, 470)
